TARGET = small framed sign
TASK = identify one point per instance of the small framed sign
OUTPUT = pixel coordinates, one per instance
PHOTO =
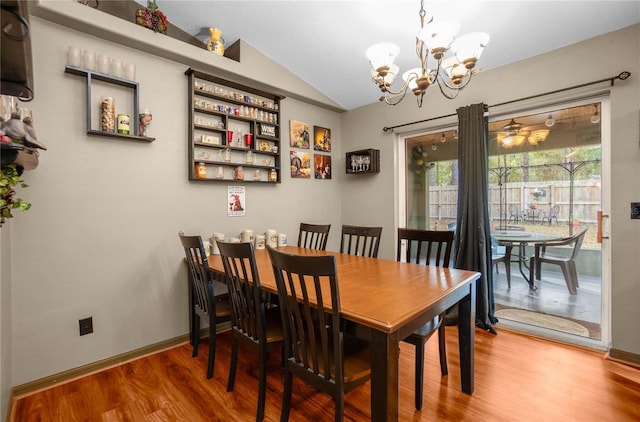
(267, 130)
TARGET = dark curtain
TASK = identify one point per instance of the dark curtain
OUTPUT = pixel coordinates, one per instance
(473, 241)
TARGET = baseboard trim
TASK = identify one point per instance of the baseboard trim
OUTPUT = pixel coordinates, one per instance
(624, 357)
(84, 370)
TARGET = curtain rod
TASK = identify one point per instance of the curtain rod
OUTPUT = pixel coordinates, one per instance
(622, 76)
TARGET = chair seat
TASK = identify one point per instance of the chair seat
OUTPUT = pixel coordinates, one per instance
(549, 258)
(424, 332)
(356, 358)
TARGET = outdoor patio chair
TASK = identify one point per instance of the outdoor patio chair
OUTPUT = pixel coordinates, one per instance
(514, 214)
(566, 262)
(553, 215)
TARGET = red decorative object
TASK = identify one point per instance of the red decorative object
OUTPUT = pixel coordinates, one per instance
(151, 17)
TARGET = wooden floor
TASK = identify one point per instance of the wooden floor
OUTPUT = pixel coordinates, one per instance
(517, 378)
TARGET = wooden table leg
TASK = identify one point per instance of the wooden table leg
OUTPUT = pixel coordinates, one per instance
(466, 338)
(384, 376)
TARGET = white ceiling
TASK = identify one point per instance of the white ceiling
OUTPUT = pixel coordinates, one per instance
(324, 42)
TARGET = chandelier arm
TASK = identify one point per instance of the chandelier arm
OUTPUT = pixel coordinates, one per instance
(461, 85)
(393, 100)
(454, 94)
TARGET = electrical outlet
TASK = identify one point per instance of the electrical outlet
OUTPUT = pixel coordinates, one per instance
(635, 210)
(86, 326)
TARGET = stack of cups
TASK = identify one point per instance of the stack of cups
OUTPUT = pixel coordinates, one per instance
(214, 245)
(260, 241)
(272, 238)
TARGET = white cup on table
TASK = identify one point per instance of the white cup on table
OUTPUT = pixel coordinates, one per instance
(282, 239)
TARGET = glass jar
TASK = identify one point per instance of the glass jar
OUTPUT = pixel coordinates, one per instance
(201, 171)
(108, 114)
(238, 173)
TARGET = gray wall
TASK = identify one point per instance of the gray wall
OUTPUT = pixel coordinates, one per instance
(101, 237)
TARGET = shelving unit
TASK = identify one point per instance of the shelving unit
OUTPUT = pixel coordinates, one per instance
(365, 161)
(90, 77)
(222, 114)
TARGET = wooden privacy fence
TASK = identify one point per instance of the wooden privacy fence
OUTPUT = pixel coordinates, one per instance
(586, 200)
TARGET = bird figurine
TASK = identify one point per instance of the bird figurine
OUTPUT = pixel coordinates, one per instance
(32, 139)
(21, 132)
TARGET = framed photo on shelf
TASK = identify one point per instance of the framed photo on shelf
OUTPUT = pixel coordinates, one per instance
(300, 164)
(321, 139)
(299, 132)
(264, 146)
(322, 166)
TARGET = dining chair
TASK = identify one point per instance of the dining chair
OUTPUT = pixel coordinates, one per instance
(209, 298)
(313, 236)
(256, 323)
(316, 349)
(427, 247)
(360, 240)
(566, 262)
(501, 252)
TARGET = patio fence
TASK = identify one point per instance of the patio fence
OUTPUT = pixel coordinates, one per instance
(586, 200)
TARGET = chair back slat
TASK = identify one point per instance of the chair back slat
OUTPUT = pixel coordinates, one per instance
(360, 241)
(198, 271)
(438, 245)
(309, 300)
(243, 281)
(313, 236)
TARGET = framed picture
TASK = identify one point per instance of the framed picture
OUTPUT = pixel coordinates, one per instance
(300, 164)
(299, 132)
(322, 166)
(264, 146)
(321, 139)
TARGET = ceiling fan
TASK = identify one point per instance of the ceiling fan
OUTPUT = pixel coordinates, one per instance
(514, 134)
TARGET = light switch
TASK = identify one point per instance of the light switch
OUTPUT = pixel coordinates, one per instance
(635, 210)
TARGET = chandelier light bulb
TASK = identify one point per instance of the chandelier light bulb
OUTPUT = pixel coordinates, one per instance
(434, 147)
(549, 122)
(443, 139)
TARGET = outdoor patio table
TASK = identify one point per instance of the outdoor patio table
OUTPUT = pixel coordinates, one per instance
(523, 238)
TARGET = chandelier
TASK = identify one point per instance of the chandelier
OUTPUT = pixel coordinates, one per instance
(514, 135)
(451, 72)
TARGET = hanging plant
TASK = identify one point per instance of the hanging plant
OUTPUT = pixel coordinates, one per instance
(419, 166)
(9, 178)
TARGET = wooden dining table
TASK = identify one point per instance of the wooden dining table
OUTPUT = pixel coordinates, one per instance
(391, 299)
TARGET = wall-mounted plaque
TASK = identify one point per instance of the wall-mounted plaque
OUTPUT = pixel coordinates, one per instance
(267, 130)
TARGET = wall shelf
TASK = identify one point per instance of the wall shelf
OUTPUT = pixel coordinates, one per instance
(365, 161)
(90, 77)
(221, 114)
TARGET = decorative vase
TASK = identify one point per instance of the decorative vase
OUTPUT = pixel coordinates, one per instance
(216, 42)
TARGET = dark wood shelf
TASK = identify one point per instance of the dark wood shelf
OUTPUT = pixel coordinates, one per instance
(120, 135)
(225, 122)
(90, 76)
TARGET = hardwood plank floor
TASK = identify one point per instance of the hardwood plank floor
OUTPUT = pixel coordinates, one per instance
(517, 378)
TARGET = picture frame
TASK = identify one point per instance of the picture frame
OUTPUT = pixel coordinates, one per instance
(322, 166)
(321, 139)
(264, 146)
(299, 134)
(300, 164)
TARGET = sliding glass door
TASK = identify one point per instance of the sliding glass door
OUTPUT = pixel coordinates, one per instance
(545, 177)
